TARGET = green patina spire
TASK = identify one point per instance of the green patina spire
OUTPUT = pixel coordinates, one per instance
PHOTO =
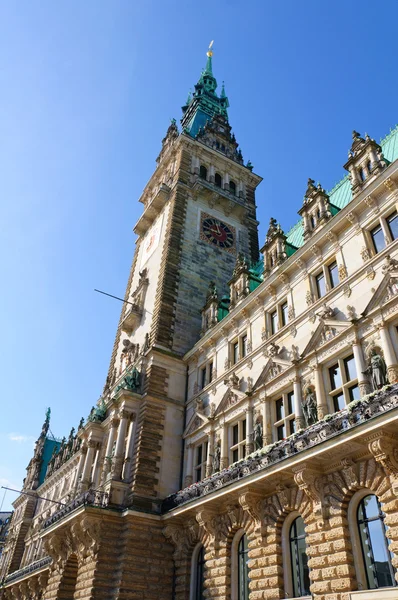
(204, 104)
(222, 95)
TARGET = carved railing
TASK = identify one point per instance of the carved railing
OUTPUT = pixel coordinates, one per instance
(34, 566)
(355, 414)
(89, 498)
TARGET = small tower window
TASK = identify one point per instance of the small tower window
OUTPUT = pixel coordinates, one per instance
(312, 221)
(369, 166)
(232, 187)
(203, 172)
(218, 180)
(362, 174)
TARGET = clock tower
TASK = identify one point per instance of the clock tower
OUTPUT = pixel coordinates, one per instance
(199, 213)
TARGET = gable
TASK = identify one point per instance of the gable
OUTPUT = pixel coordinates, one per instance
(388, 288)
(273, 368)
(327, 330)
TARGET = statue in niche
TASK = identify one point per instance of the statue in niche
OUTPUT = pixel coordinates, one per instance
(131, 381)
(310, 410)
(377, 370)
(258, 435)
(217, 457)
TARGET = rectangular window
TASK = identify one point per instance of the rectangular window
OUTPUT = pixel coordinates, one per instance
(338, 401)
(280, 432)
(290, 403)
(203, 377)
(243, 342)
(333, 274)
(210, 372)
(284, 313)
(238, 439)
(235, 434)
(335, 377)
(292, 427)
(274, 322)
(354, 393)
(392, 221)
(320, 284)
(200, 462)
(377, 236)
(235, 352)
(350, 368)
(280, 412)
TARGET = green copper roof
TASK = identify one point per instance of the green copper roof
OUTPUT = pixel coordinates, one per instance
(204, 103)
(341, 194)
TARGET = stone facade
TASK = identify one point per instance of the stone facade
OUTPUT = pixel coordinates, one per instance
(243, 395)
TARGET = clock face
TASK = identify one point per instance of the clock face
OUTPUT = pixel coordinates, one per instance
(217, 232)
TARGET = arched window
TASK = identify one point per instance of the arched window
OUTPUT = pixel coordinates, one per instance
(243, 569)
(203, 172)
(313, 222)
(232, 187)
(298, 556)
(197, 573)
(362, 174)
(218, 180)
(369, 166)
(374, 544)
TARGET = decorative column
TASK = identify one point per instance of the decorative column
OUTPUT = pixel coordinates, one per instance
(389, 353)
(360, 365)
(108, 453)
(117, 461)
(210, 453)
(129, 448)
(249, 430)
(321, 403)
(96, 466)
(267, 425)
(189, 466)
(298, 403)
(92, 445)
(82, 458)
(211, 174)
(224, 446)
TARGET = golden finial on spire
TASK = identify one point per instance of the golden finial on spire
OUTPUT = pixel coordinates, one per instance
(210, 51)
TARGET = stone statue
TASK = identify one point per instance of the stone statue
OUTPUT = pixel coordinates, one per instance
(377, 370)
(131, 381)
(309, 407)
(217, 457)
(258, 435)
(81, 424)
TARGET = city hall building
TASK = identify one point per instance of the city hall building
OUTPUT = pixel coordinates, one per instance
(245, 443)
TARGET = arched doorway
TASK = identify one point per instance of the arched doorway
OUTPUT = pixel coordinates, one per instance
(67, 586)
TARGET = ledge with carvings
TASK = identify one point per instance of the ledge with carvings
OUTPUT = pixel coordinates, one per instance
(88, 498)
(355, 414)
(35, 566)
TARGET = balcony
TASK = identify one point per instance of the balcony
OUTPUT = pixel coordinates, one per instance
(152, 209)
(132, 319)
(89, 498)
(353, 416)
(32, 568)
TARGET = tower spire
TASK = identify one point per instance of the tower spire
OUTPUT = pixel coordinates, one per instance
(209, 64)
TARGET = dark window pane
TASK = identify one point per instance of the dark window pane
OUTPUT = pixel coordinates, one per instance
(350, 368)
(284, 311)
(354, 393)
(243, 451)
(243, 569)
(335, 377)
(281, 432)
(200, 575)
(210, 372)
(292, 426)
(280, 411)
(300, 570)
(203, 377)
(393, 225)
(338, 402)
(333, 274)
(235, 352)
(235, 456)
(244, 345)
(217, 179)
(235, 434)
(320, 285)
(199, 455)
(232, 187)
(290, 403)
(203, 172)
(243, 430)
(274, 322)
(378, 238)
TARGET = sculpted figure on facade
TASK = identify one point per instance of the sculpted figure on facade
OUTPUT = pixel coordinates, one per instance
(258, 435)
(377, 370)
(217, 456)
(309, 406)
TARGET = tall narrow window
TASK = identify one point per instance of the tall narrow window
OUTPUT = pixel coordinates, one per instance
(274, 321)
(375, 551)
(199, 576)
(203, 172)
(243, 343)
(392, 221)
(200, 462)
(333, 274)
(300, 570)
(218, 180)
(210, 372)
(203, 377)
(243, 569)
(377, 236)
(235, 352)
(284, 313)
(232, 187)
(320, 284)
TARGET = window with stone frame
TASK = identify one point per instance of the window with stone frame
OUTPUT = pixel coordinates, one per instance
(326, 279)
(278, 317)
(392, 224)
(343, 382)
(202, 172)
(378, 238)
(206, 374)
(237, 445)
(200, 460)
(239, 348)
(283, 416)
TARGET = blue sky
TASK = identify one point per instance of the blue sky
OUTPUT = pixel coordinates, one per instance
(87, 92)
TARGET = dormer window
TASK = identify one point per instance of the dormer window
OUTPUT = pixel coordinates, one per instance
(232, 187)
(203, 172)
(218, 180)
